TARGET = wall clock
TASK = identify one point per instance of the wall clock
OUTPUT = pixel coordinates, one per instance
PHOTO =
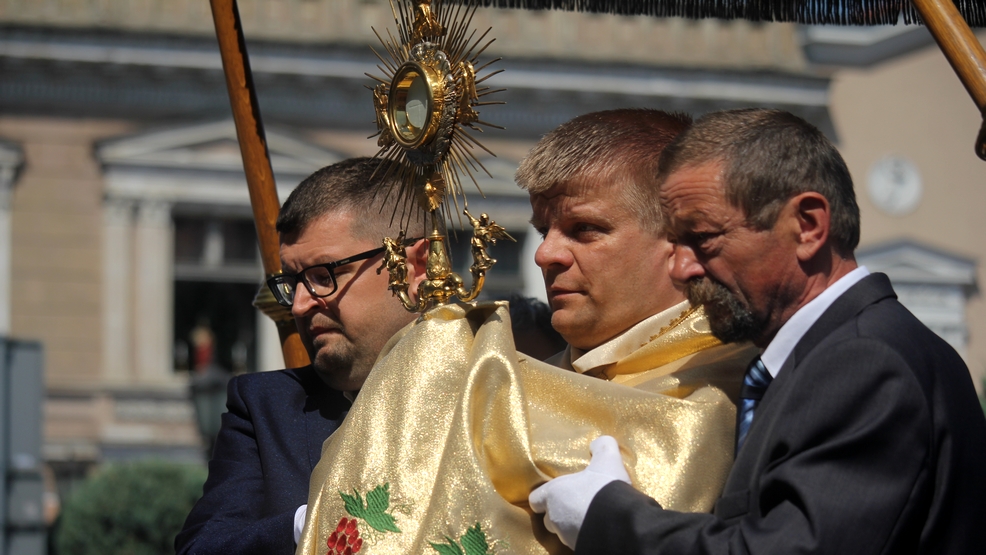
(894, 185)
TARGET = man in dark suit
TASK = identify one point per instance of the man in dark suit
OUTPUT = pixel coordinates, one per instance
(859, 430)
(331, 228)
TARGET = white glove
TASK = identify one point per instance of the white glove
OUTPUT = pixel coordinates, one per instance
(565, 500)
(299, 522)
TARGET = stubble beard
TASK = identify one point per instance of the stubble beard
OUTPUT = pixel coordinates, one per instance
(574, 324)
(335, 359)
(728, 318)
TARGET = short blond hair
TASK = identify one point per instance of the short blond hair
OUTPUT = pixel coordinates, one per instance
(623, 146)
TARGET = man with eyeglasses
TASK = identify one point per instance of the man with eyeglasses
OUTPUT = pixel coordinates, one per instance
(330, 227)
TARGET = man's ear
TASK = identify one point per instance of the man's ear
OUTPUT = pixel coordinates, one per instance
(813, 215)
(417, 262)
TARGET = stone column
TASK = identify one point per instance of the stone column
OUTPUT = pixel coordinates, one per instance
(118, 291)
(6, 185)
(153, 285)
(10, 161)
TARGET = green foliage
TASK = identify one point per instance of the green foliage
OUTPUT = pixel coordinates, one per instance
(129, 509)
(374, 511)
(473, 542)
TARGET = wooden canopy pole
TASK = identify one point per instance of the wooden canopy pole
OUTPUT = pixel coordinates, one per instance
(963, 51)
(256, 165)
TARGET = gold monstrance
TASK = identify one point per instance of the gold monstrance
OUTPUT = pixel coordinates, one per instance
(424, 114)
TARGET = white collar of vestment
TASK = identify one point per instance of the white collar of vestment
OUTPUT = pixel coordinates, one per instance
(625, 343)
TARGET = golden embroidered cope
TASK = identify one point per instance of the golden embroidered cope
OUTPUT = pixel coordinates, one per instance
(459, 427)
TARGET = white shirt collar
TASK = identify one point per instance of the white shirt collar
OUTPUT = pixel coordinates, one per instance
(797, 326)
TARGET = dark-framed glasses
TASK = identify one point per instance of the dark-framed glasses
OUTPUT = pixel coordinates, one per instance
(320, 280)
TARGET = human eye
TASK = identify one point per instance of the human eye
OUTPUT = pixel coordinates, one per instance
(587, 231)
(318, 276)
(704, 241)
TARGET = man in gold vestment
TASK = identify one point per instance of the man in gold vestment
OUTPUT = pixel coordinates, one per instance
(453, 427)
(604, 256)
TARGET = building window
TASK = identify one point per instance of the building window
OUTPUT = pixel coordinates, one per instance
(217, 273)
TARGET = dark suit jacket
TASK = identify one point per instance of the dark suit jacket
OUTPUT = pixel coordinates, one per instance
(870, 440)
(270, 440)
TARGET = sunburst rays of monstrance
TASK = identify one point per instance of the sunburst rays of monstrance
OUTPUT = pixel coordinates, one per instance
(426, 111)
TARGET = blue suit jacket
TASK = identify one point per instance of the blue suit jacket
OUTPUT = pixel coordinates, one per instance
(270, 440)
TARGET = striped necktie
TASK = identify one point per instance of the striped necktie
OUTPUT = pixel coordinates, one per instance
(754, 386)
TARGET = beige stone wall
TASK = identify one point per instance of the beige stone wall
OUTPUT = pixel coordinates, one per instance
(916, 107)
(56, 240)
(519, 33)
(56, 285)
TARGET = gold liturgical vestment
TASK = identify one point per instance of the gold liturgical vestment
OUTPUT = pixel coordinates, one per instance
(453, 428)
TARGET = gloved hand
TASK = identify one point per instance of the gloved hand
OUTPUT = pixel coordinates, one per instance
(565, 500)
(299, 522)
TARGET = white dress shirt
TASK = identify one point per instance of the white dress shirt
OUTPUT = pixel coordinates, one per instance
(794, 329)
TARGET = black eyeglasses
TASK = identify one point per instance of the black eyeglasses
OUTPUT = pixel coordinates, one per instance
(320, 280)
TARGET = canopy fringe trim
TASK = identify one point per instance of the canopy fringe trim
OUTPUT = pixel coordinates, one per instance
(809, 12)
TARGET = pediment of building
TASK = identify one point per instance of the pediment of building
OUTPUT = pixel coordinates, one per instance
(909, 262)
(201, 165)
(211, 147)
(862, 46)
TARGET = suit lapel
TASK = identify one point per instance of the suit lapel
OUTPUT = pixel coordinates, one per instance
(751, 458)
(869, 290)
(324, 411)
(314, 428)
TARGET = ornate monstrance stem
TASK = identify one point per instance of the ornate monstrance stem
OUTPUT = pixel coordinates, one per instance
(424, 114)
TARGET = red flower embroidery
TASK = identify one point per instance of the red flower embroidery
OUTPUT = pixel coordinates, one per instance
(345, 540)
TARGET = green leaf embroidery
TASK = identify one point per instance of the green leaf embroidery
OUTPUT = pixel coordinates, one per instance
(450, 548)
(354, 504)
(377, 503)
(473, 543)
(374, 511)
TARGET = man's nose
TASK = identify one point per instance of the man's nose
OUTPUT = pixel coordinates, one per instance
(303, 301)
(552, 251)
(686, 265)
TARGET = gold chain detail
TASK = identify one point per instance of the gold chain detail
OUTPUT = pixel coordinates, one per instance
(676, 322)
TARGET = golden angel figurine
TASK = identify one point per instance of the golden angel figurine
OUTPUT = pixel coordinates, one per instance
(485, 233)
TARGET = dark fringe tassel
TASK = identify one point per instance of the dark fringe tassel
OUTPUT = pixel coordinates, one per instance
(809, 12)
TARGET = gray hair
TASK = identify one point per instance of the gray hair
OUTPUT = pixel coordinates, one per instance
(770, 156)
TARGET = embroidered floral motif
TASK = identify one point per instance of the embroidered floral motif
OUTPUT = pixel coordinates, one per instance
(345, 540)
(374, 510)
(473, 542)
